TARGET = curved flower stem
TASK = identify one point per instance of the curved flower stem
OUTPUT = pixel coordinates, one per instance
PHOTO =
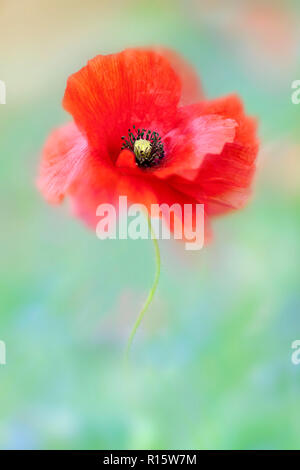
(151, 293)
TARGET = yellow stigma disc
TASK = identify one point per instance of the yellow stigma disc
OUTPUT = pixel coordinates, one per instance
(142, 149)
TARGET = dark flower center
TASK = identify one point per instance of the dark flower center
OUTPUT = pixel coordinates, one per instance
(146, 146)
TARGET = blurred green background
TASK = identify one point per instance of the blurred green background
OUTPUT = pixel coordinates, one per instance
(211, 364)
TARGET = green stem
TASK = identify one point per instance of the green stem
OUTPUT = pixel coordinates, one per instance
(151, 293)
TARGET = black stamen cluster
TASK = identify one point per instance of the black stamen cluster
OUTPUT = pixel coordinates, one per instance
(157, 147)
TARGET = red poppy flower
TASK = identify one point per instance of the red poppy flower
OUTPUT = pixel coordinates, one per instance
(142, 128)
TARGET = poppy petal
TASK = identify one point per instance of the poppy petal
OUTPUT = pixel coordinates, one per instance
(192, 140)
(223, 181)
(114, 92)
(232, 107)
(126, 159)
(102, 185)
(62, 159)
